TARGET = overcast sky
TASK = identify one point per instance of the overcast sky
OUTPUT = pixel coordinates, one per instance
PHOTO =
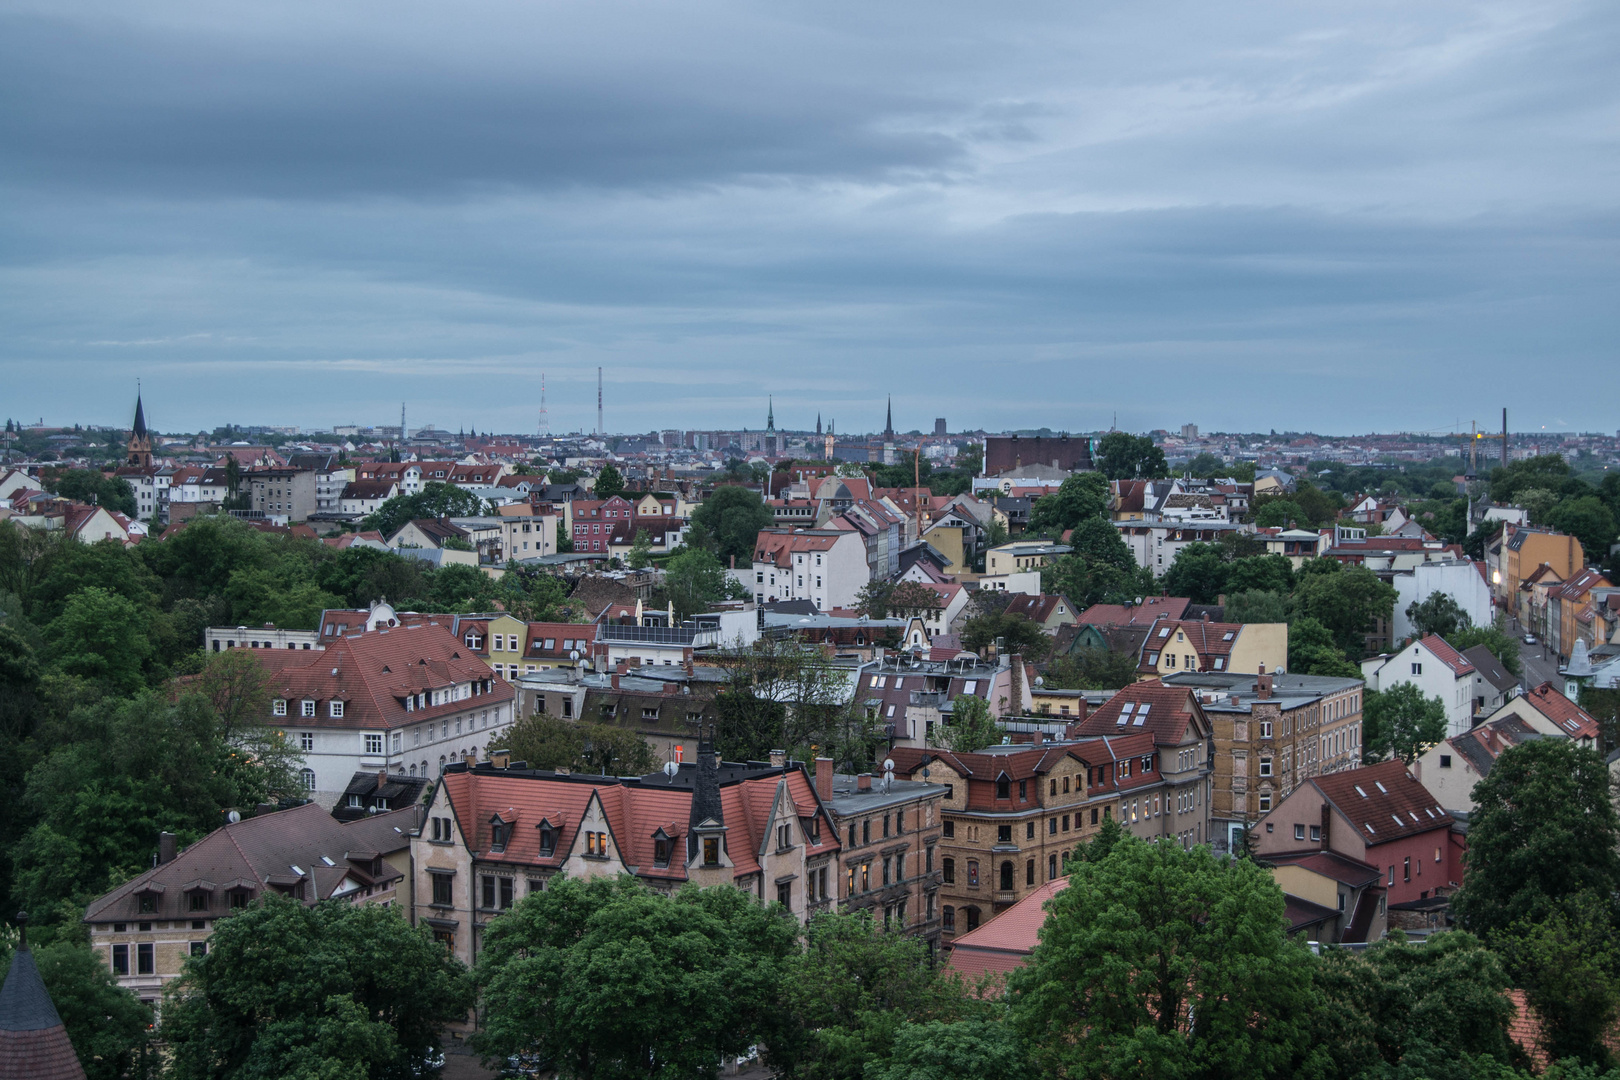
(1333, 216)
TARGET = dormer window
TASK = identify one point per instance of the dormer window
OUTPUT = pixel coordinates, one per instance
(1003, 787)
(661, 846)
(473, 640)
(278, 707)
(711, 851)
(498, 833)
(548, 841)
(306, 707)
(334, 709)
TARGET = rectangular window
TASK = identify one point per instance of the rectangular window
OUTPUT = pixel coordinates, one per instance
(1003, 834)
(279, 707)
(143, 959)
(488, 884)
(374, 744)
(441, 890)
(334, 708)
(306, 708)
(973, 873)
(120, 959)
(508, 885)
(199, 948)
(1299, 832)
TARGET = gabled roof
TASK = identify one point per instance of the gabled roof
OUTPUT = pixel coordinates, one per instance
(1564, 713)
(1383, 802)
(1150, 609)
(1443, 652)
(1039, 607)
(1167, 710)
(1488, 667)
(1331, 864)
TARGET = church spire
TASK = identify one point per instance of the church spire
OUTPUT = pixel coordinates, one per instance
(888, 423)
(818, 423)
(140, 440)
(770, 414)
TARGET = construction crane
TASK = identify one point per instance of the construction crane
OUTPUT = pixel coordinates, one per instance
(1475, 437)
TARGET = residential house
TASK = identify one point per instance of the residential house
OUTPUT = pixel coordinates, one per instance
(911, 695)
(890, 832)
(410, 699)
(958, 535)
(825, 566)
(378, 793)
(358, 498)
(1450, 769)
(1155, 544)
(1493, 683)
(1004, 453)
(1173, 646)
(1013, 814)
(145, 929)
(1003, 944)
(1379, 815)
(1296, 545)
(1344, 900)
(1524, 549)
(1546, 710)
(1046, 611)
(282, 495)
(1461, 579)
(1271, 733)
(331, 478)
(1022, 556)
(267, 636)
(498, 639)
(1436, 669)
(494, 835)
(1571, 612)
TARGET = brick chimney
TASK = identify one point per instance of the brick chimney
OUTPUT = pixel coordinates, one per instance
(778, 759)
(382, 778)
(615, 680)
(863, 782)
(1262, 685)
(824, 778)
(1327, 821)
(1016, 705)
(622, 667)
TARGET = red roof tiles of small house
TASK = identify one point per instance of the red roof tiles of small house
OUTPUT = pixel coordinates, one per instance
(777, 546)
(1151, 608)
(1149, 705)
(1570, 717)
(1038, 607)
(1003, 943)
(1383, 802)
(1456, 661)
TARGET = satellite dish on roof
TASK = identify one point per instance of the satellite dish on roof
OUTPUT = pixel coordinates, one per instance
(233, 817)
(888, 764)
(670, 769)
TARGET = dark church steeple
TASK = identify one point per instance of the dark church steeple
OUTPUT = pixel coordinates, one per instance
(888, 423)
(770, 415)
(140, 440)
(818, 423)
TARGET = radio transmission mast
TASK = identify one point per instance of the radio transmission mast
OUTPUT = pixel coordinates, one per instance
(599, 429)
(545, 423)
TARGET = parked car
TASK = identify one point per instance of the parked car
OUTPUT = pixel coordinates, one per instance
(1529, 639)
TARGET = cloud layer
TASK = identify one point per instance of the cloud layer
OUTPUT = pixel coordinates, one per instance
(1342, 217)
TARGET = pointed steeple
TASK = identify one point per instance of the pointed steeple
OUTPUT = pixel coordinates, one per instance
(770, 414)
(139, 451)
(33, 1041)
(139, 429)
(888, 422)
(818, 423)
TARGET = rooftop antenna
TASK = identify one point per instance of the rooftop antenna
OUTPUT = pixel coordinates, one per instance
(402, 423)
(599, 429)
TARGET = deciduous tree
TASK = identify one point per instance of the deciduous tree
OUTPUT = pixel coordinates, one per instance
(731, 518)
(1400, 721)
(1438, 613)
(1121, 456)
(969, 729)
(1081, 496)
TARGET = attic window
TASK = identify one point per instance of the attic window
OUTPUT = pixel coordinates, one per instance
(1141, 715)
(1227, 636)
(1363, 794)
(1379, 784)
(498, 832)
(548, 841)
(1125, 714)
(660, 851)
(1165, 632)
(1368, 826)
(1398, 822)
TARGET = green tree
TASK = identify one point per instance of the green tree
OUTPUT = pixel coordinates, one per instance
(1091, 669)
(852, 992)
(93, 487)
(1020, 635)
(897, 599)
(695, 581)
(102, 637)
(1524, 865)
(1206, 465)
(1157, 961)
(1312, 651)
(1198, 572)
(290, 990)
(981, 1049)
(608, 483)
(1437, 1012)
(1589, 520)
(640, 556)
(1438, 613)
(1278, 514)
(549, 742)
(611, 980)
(970, 727)
(1349, 602)
(1546, 471)
(107, 1024)
(1502, 645)
(731, 518)
(435, 500)
(459, 587)
(1258, 606)
(782, 695)
(1080, 496)
(1128, 457)
(1400, 721)
(1272, 573)
(1566, 963)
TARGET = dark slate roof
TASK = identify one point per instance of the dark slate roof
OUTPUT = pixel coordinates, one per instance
(1487, 665)
(33, 1043)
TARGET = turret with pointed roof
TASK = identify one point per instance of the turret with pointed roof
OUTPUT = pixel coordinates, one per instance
(33, 1041)
(140, 440)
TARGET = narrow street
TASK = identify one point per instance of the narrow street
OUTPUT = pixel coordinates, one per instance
(1539, 665)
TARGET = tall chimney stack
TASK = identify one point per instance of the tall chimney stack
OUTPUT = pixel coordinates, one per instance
(824, 778)
(167, 847)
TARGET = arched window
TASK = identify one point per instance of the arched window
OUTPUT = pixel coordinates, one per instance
(424, 771)
(307, 776)
(441, 763)
(413, 768)
(1006, 875)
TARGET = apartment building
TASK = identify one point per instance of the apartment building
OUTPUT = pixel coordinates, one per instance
(890, 831)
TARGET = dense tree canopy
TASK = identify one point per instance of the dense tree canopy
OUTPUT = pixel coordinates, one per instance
(1438, 613)
(729, 521)
(550, 742)
(435, 500)
(1121, 456)
(108, 1025)
(94, 487)
(303, 992)
(1400, 721)
(969, 728)
(1081, 496)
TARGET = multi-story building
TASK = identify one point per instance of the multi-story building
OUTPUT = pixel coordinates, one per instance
(492, 835)
(1524, 550)
(146, 928)
(1271, 733)
(330, 479)
(890, 832)
(911, 696)
(411, 699)
(1571, 611)
(1155, 544)
(282, 495)
(1013, 814)
(825, 566)
(1437, 670)
(1172, 647)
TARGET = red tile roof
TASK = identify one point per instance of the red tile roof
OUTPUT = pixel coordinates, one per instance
(1456, 661)
(1383, 802)
(1003, 944)
(1168, 711)
(373, 674)
(1568, 716)
(1151, 608)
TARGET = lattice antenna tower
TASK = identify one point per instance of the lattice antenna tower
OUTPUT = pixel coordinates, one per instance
(600, 430)
(545, 422)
